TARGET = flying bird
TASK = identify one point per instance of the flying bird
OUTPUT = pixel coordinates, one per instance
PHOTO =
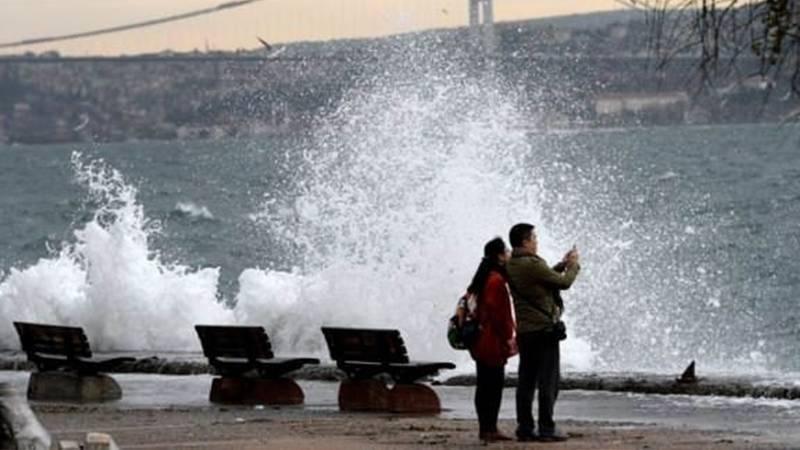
(84, 121)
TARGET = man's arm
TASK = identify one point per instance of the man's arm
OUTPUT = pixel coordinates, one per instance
(546, 275)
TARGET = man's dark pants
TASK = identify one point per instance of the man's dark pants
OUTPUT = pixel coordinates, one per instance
(538, 368)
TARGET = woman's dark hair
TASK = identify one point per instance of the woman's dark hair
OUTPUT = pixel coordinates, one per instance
(491, 251)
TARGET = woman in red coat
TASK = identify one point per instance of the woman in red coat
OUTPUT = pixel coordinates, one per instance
(495, 343)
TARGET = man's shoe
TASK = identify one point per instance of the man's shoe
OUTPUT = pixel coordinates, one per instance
(493, 436)
(527, 436)
(552, 436)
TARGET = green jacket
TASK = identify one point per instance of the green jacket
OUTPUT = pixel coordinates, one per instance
(532, 281)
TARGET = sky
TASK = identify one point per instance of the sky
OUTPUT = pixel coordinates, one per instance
(276, 21)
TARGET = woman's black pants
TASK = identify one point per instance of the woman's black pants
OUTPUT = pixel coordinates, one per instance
(488, 395)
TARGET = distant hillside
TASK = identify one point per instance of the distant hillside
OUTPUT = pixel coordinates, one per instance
(575, 71)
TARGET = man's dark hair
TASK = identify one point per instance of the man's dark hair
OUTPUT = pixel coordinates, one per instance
(519, 233)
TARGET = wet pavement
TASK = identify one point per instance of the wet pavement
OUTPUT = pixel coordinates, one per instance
(779, 419)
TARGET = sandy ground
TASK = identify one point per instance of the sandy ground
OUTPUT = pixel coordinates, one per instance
(296, 428)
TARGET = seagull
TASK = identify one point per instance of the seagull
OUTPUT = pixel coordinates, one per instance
(265, 44)
(84, 122)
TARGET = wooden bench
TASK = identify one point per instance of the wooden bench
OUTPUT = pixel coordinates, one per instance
(65, 367)
(362, 354)
(249, 371)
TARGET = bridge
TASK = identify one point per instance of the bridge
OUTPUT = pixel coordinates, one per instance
(480, 19)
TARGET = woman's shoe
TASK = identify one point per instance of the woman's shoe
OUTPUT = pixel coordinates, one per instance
(527, 436)
(493, 436)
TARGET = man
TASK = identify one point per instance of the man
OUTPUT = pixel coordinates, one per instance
(538, 307)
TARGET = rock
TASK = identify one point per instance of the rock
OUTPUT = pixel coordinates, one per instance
(69, 445)
(688, 375)
(726, 386)
(72, 387)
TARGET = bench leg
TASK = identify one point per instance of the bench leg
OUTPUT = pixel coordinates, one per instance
(72, 387)
(363, 395)
(413, 398)
(256, 391)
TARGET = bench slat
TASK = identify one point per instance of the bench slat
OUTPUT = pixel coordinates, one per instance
(364, 353)
(52, 347)
(234, 341)
(363, 344)
(53, 339)
(236, 350)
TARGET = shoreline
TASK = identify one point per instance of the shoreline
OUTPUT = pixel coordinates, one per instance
(536, 131)
(641, 383)
(173, 412)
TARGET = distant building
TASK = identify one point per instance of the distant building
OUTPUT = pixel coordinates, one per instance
(481, 12)
(618, 31)
(21, 111)
(751, 83)
(481, 21)
(657, 107)
(562, 35)
(618, 103)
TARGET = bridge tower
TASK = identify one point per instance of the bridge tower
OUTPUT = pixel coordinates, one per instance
(481, 22)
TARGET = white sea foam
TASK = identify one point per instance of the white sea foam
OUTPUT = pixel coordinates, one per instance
(110, 281)
(669, 175)
(402, 185)
(406, 181)
(193, 210)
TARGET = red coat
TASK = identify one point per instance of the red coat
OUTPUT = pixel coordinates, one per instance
(496, 323)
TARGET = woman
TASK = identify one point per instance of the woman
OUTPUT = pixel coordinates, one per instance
(495, 343)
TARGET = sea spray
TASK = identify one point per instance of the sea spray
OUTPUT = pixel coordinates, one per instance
(110, 281)
(193, 211)
(403, 183)
(379, 219)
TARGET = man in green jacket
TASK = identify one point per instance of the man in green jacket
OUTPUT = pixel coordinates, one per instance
(537, 303)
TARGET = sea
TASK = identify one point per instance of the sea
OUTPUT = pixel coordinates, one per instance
(377, 214)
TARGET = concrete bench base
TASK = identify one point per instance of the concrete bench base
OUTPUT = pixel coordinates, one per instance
(363, 395)
(373, 395)
(256, 391)
(413, 399)
(72, 387)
